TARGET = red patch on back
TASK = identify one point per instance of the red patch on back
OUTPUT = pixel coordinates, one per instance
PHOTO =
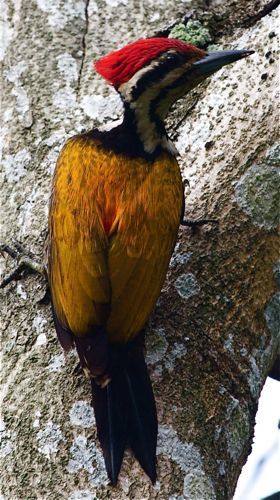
(119, 66)
(108, 220)
(107, 225)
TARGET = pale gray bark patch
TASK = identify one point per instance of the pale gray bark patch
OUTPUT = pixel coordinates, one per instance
(85, 456)
(258, 194)
(49, 438)
(5, 29)
(82, 495)
(56, 363)
(81, 414)
(179, 256)
(187, 285)
(196, 483)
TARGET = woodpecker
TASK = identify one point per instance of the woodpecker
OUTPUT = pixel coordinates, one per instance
(116, 205)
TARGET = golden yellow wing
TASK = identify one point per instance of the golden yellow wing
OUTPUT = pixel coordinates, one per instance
(113, 226)
(140, 250)
(78, 271)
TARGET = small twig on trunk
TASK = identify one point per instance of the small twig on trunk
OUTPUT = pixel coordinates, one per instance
(267, 9)
(84, 46)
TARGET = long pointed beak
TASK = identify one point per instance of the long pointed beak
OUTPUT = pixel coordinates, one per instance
(213, 61)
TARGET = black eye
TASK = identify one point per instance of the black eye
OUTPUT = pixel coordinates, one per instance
(174, 57)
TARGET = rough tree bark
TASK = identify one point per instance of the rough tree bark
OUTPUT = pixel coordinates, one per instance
(214, 334)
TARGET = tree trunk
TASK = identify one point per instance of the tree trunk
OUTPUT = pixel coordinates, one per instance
(214, 334)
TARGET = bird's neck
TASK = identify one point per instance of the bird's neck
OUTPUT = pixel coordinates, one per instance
(142, 131)
(142, 116)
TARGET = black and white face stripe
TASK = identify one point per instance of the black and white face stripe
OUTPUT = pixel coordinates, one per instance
(168, 95)
(150, 93)
(157, 71)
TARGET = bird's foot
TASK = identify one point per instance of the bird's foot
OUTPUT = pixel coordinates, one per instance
(26, 264)
(195, 224)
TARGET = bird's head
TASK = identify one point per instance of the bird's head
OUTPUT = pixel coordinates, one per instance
(151, 74)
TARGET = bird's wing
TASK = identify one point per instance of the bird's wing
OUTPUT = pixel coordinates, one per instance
(141, 247)
(78, 271)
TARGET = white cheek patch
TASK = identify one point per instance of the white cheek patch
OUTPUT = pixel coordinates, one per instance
(127, 88)
(106, 127)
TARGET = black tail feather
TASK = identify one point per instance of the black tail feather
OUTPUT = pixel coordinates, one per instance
(111, 427)
(125, 415)
(142, 418)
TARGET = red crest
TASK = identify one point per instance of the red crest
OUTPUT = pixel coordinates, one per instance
(119, 66)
